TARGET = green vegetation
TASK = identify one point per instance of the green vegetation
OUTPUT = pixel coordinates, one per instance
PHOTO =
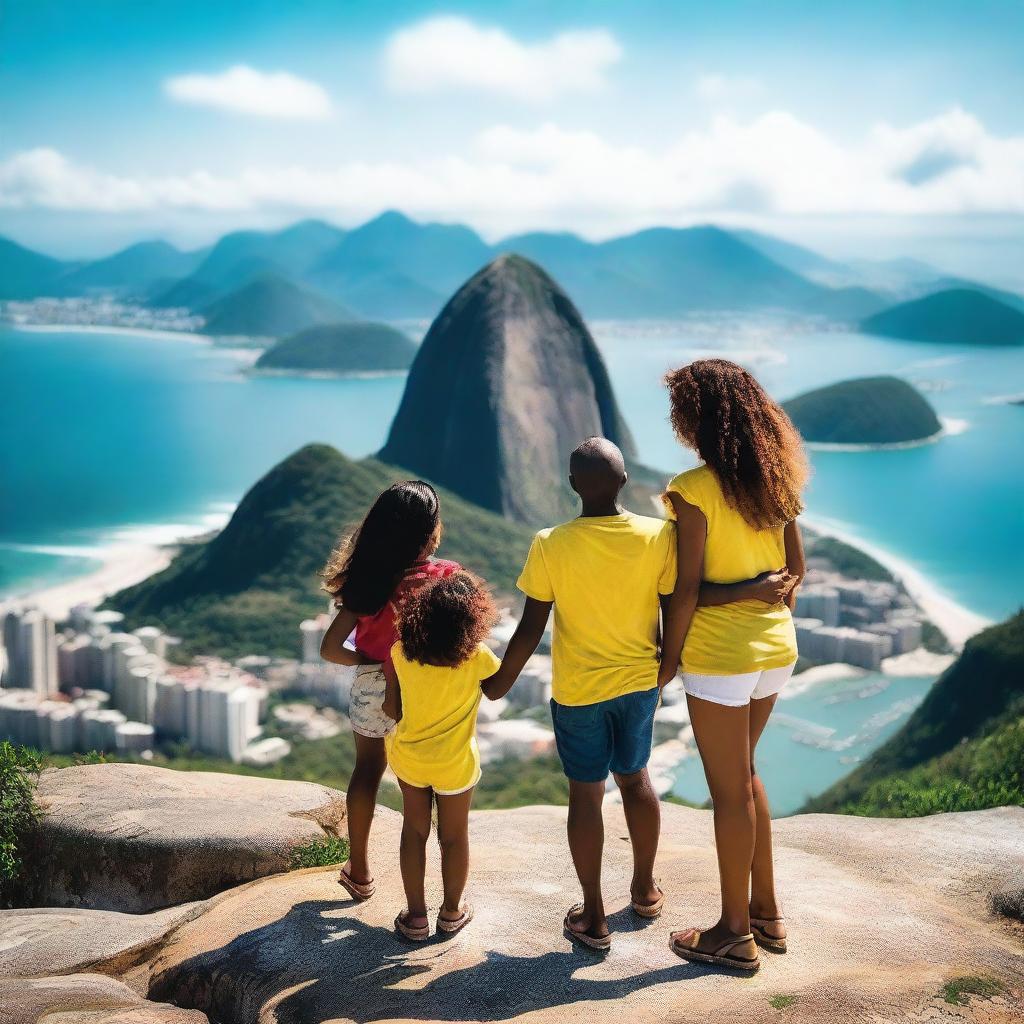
(513, 783)
(1008, 904)
(956, 316)
(248, 588)
(19, 773)
(360, 347)
(781, 1002)
(962, 749)
(956, 990)
(868, 410)
(849, 561)
(320, 853)
(270, 306)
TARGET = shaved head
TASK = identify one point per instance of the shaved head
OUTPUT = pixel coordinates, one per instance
(597, 469)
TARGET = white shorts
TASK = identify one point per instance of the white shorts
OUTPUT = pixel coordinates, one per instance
(366, 700)
(735, 691)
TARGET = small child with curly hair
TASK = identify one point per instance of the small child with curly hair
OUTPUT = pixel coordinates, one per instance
(433, 693)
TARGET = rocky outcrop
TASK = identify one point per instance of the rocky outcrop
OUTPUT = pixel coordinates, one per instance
(136, 838)
(84, 999)
(506, 383)
(883, 916)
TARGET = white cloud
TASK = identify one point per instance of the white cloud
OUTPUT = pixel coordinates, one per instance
(717, 89)
(244, 90)
(511, 179)
(449, 52)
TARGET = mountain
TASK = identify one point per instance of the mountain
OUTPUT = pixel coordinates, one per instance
(25, 274)
(131, 270)
(394, 267)
(506, 383)
(248, 588)
(358, 347)
(961, 749)
(867, 410)
(957, 316)
(797, 258)
(270, 306)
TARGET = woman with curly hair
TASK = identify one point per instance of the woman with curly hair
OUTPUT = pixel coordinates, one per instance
(369, 575)
(433, 693)
(736, 517)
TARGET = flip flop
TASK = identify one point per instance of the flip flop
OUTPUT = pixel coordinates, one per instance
(601, 944)
(452, 926)
(358, 891)
(414, 933)
(763, 937)
(722, 955)
(649, 910)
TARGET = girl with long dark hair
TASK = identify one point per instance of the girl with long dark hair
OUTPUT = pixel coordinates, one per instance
(736, 517)
(370, 574)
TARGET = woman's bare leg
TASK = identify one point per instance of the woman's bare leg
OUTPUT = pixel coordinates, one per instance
(412, 853)
(453, 837)
(763, 901)
(360, 800)
(722, 735)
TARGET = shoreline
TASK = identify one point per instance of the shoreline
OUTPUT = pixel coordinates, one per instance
(156, 333)
(957, 623)
(950, 428)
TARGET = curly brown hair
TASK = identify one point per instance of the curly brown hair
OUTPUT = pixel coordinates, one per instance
(749, 443)
(442, 622)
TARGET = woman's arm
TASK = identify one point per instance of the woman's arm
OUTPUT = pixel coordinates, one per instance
(691, 533)
(795, 563)
(332, 647)
(530, 629)
(392, 705)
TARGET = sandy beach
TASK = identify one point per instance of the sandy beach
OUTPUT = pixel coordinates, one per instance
(141, 332)
(958, 623)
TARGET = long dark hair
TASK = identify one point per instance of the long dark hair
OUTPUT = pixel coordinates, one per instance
(366, 567)
(746, 439)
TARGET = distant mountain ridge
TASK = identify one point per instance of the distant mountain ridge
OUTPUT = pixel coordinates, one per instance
(506, 383)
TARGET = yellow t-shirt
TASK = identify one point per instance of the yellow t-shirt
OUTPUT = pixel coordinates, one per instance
(604, 574)
(745, 636)
(435, 742)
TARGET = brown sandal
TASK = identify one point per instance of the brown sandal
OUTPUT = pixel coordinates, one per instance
(722, 955)
(763, 937)
(601, 943)
(359, 891)
(414, 933)
(457, 924)
(649, 910)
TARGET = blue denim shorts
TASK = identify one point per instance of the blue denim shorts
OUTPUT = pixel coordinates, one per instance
(612, 735)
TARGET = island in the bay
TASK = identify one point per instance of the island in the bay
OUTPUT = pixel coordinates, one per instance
(954, 316)
(875, 411)
(351, 348)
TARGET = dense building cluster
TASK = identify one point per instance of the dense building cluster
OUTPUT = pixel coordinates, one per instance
(99, 311)
(860, 622)
(90, 687)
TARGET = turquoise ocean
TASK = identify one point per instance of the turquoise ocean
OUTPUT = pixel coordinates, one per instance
(113, 437)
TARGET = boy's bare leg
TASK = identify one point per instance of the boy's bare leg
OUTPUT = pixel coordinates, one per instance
(453, 836)
(371, 760)
(412, 853)
(586, 844)
(643, 819)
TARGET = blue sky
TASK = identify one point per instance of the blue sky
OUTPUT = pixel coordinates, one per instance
(856, 127)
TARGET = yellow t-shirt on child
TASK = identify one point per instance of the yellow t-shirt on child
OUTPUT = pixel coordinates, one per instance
(604, 574)
(434, 745)
(745, 636)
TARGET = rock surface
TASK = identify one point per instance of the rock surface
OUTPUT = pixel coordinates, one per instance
(84, 999)
(506, 383)
(882, 915)
(136, 838)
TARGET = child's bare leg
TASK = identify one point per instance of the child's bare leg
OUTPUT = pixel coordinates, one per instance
(412, 857)
(360, 799)
(643, 819)
(586, 844)
(453, 836)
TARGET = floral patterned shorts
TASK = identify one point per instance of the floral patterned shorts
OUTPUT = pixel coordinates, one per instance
(365, 710)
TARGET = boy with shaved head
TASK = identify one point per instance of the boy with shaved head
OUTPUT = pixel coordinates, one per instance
(608, 572)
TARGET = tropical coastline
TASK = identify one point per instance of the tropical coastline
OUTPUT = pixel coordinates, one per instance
(141, 332)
